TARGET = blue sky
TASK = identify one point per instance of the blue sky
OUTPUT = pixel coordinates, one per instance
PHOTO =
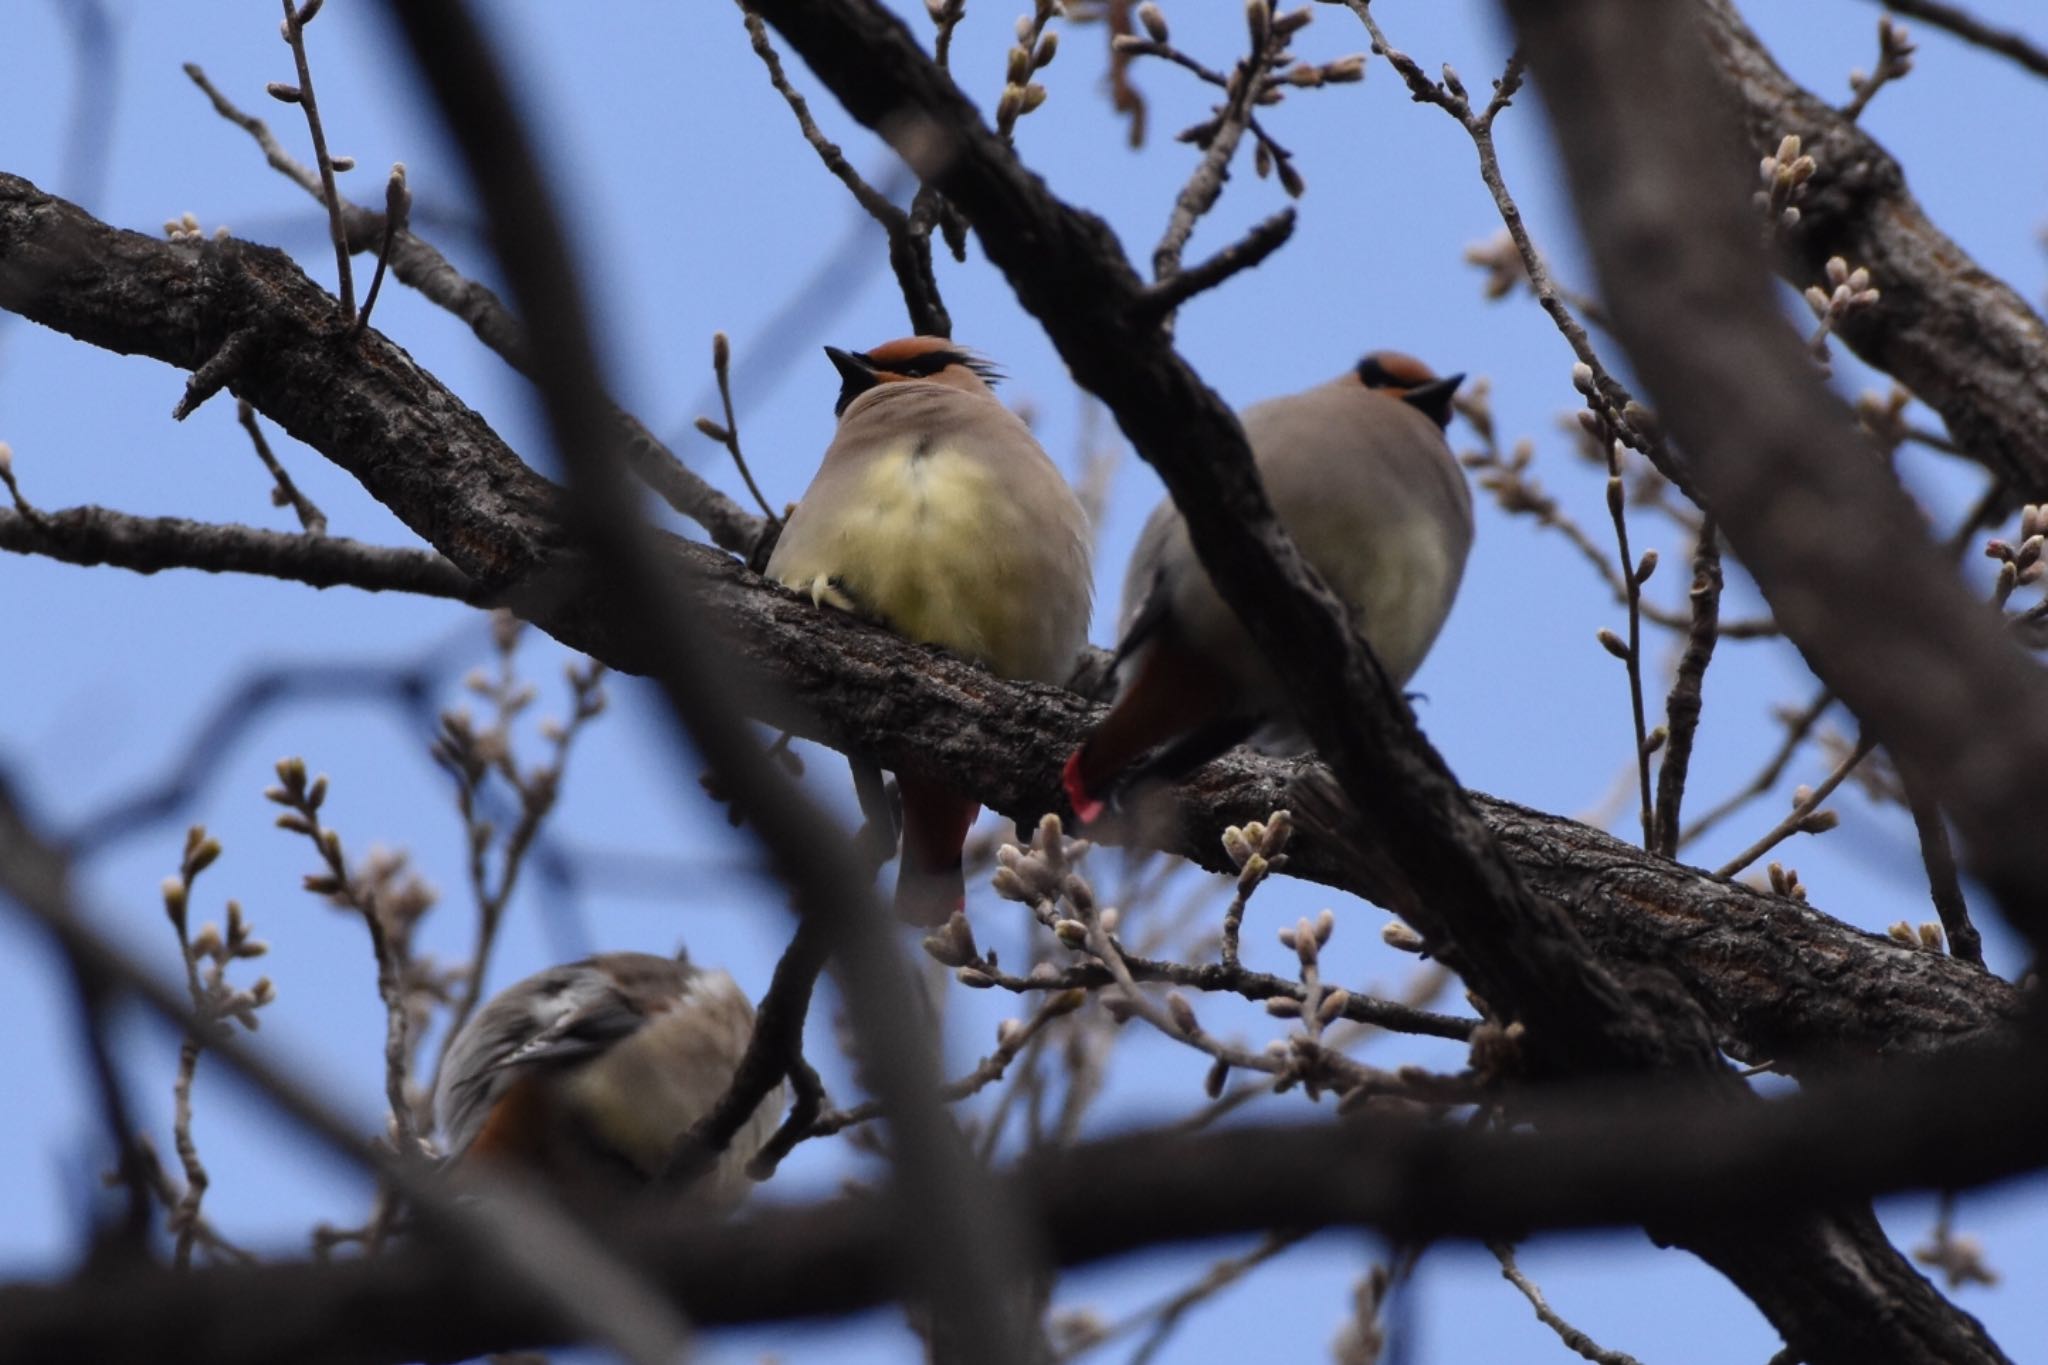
(695, 207)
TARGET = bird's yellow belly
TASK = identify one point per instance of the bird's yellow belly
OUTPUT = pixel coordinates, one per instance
(930, 545)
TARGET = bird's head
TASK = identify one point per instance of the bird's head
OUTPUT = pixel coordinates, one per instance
(935, 360)
(1413, 382)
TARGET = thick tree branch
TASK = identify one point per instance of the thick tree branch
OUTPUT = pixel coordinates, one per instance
(963, 1250)
(1821, 1278)
(1597, 1160)
(1965, 343)
(1780, 979)
(1665, 202)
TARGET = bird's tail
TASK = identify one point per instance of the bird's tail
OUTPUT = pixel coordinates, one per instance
(930, 885)
(1173, 693)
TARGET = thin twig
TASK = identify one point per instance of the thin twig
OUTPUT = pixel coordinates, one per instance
(1166, 1314)
(947, 17)
(1612, 398)
(1801, 814)
(469, 757)
(775, 1050)
(397, 217)
(729, 434)
(295, 21)
(204, 1234)
(286, 493)
(2033, 56)
(1894, 60)
(419, 265)
(1682, 706)
(1633, 576)
(1944, 885)
(1011, 1040)
(1359, 1007)
(129, 1239)
(1205, 185)
(302, 801)
(910, 252)
(1265, 238)
(214, 1003)
(1798, 725)
(1575, 1341)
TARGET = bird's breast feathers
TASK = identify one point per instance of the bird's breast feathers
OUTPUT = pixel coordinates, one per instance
(929, 537)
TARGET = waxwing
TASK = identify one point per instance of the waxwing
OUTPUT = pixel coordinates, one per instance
(936, 513)
(1360, 475)
(586, 1076)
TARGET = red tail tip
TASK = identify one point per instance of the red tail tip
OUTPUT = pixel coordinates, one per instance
(1087, 808)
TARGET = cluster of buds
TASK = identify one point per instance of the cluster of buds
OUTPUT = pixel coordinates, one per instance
(1785, 880)
(2019, 564)
(1502, 261)
(1262, 78)
(1033, 52)
(1814, 821)
(213, 999)
(1258, 849)
(1894, 59)
(1319, 1006)
(1884, 416)
(1926, 937)
(185, 230)
(1784, 173)
(1039, 874)
(1848, 290)
(1601, 428)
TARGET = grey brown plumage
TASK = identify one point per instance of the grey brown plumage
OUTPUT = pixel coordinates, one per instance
(587, 1075)
(936, 513)
(1358, 472)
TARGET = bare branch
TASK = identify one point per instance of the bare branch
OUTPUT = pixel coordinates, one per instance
(1682, 707)
(419, 265)
(910, 252)
(147, 545)
(1265, 238)
(1575, 1341)
(295, 20)
(286, 493)
(1960, 22)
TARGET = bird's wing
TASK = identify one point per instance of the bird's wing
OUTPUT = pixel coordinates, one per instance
(1148, 587)
(559, 1015)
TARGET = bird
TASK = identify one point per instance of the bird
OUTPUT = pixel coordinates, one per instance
(1358, 471)
(936, 513)
(586, 1076)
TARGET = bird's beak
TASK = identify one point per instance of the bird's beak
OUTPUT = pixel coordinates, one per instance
(1434, 398)
(855, 378)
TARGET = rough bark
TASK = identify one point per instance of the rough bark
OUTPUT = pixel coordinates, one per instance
(1782, 979)
(1966, 344)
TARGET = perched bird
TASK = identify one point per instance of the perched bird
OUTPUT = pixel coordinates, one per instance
(586, 1075)
(936, 513)
(1360, 475)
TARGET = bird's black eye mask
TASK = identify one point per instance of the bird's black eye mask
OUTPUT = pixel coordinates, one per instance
(860, 371)
(1431, 396)
(1377, 376)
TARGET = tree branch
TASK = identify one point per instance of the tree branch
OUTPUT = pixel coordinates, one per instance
(1598, 1159)
(1964, 342)
(1969, 28)
(99, 535)
(1780, 980)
